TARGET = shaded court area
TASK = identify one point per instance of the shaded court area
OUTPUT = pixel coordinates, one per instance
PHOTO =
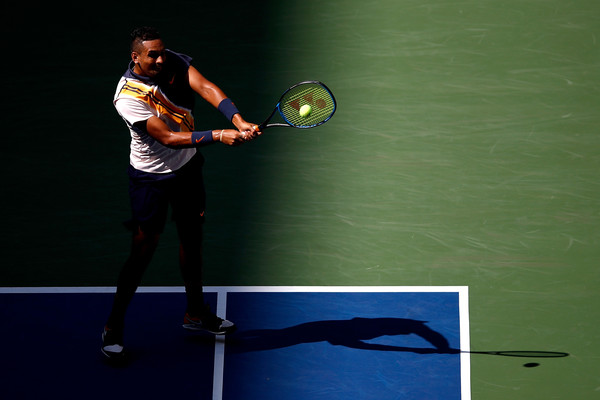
(291, 343)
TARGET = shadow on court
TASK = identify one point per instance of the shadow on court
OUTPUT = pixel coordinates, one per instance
(353, 333)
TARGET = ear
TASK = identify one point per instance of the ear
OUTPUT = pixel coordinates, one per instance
(135, 56)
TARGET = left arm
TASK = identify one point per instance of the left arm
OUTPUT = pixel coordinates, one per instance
(214, 95)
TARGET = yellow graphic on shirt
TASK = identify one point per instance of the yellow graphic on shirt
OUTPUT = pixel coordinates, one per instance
(155, 98)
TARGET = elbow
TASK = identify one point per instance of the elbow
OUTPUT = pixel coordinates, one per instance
(170, 140)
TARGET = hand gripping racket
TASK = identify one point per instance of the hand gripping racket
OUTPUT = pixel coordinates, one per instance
(304, 105)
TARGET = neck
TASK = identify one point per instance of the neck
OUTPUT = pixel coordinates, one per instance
(137, 70)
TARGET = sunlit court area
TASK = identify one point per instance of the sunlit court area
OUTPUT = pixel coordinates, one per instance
(437, 238)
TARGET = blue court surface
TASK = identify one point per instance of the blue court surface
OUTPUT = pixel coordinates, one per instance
(292, 343)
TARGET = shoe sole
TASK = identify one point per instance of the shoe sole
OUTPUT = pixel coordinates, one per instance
(113, 356)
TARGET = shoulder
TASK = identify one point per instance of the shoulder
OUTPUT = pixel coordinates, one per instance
(177, 64)
(133, 100)
(132, 88)
(179, 59)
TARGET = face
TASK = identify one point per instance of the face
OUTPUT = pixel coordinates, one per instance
(149, 58)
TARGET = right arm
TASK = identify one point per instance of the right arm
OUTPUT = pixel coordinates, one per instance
(156, 128)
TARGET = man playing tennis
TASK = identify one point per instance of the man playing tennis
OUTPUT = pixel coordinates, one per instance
(155, 98)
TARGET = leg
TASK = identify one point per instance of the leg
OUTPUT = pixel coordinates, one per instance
(142, 249)
(143, 246)
(188, 200)
(149, 206)
(198, 315)
(188, 203)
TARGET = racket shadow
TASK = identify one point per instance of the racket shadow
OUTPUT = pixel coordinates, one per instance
(522, 353)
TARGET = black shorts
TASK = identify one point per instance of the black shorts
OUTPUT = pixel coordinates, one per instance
(151, 194)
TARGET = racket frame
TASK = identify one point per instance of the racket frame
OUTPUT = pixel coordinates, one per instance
(277, 108)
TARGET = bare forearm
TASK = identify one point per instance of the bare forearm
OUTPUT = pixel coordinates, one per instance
(212, 94)
(179, 140)
(215, 96)
(205, 88)
(156, 128)
(218, 99)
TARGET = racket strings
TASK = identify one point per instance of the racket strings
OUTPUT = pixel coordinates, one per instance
(316, 96)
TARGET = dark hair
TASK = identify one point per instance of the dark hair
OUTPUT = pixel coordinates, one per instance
(141, 34)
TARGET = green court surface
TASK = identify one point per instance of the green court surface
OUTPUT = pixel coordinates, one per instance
(465, 152)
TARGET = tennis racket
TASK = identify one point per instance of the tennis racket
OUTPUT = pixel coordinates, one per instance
(305, 105)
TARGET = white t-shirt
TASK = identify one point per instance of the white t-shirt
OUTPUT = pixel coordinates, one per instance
(139, 99)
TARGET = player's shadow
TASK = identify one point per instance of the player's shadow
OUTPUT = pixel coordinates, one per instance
(353, 333)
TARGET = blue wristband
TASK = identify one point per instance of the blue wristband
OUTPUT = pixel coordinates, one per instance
(201, 138)
(228, 109)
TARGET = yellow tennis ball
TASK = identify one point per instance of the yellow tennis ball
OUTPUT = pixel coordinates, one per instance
(305, 110)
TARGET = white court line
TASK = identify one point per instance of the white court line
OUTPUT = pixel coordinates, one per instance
(465, 344)
(463, 298)
(219, 366)
(212, 289)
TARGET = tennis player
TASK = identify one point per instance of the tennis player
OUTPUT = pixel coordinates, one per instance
(155, 98)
